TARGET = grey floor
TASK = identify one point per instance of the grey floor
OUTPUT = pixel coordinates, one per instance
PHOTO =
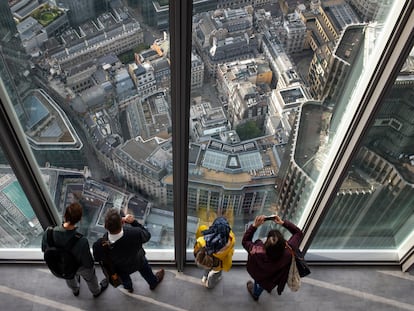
(328, 288)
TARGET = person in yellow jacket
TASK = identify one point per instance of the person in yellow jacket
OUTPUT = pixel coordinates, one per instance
(213, 250)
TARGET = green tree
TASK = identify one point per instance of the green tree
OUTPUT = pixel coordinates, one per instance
(128, 57)
(248, 130)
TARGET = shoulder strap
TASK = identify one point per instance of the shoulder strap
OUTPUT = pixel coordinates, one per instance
(106, 245)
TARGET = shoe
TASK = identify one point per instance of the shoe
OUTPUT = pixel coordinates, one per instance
(104, 285)
(204, 281)
(160, 276)
(130, 290)
(250, 290)
(76, 292)
(213, 278)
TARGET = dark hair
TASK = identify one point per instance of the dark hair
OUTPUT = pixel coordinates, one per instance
(113, 221)
(73, 213)
(275, 244)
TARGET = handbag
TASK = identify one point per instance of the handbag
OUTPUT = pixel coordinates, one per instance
(106, 264)
(301, 264)
(293, 280)
(205, 260)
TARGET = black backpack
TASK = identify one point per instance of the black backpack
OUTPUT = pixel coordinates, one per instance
(60, 260)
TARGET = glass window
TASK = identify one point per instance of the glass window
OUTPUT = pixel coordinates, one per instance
(374, 206)
(273, 89)
(19, 225)
(279, 83)
(89, 84)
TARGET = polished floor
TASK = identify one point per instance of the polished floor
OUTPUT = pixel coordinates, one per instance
(31, 287)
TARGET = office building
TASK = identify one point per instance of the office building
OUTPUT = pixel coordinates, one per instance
(342, 174)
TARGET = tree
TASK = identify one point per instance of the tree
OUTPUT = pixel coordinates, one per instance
(248, 130)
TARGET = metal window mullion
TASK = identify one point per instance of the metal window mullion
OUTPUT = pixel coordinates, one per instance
(180, 21)
(23, 163)
(381, 79)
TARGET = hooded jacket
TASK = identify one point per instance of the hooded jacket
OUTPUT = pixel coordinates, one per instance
(267, 272)
(225, 254)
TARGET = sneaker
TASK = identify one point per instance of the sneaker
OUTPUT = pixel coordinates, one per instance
(213, 278)
(104, 285)
(204, 281)
(160, 276)
(250, 286)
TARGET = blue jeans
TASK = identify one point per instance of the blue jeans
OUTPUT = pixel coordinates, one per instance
(257, 289)
(146, 273)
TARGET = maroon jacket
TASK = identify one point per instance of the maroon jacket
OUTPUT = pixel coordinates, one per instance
(265, 271)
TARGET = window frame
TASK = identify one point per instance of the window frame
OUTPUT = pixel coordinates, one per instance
(386, 61)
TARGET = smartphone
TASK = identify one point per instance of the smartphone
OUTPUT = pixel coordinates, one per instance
(271, 217)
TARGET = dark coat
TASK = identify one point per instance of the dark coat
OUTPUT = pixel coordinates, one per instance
(127, 254)
(265, 271)
(80, 250)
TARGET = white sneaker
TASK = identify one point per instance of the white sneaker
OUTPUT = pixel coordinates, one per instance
(204, 280)
(213, 278)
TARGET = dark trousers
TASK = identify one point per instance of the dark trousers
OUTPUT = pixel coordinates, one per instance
(146, 273)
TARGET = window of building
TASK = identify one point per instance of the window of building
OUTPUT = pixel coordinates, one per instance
(105, 143)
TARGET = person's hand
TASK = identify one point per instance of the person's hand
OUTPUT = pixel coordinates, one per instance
(128, 219)
(259, 220)
(279, 220)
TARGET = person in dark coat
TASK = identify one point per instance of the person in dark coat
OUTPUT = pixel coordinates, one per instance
(268, 262)
(125, 249)
(61, 235)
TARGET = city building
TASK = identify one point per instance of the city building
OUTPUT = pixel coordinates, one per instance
(326, 69)
(245, 85)
(206, 121)
(46, 125)
(143, 77)
(371, 9)
(197, 71)
(293, 34)
(143, 164)
(225, 36)
(273, 48)
(113, 33)
(301, 172)
(338, 164)
(149, 116)
(79, 11)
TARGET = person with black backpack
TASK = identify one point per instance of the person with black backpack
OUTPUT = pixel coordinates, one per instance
(67, 253)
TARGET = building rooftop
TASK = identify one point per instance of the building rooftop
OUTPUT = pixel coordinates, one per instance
(311, 134)
(350, 42)
(46, 124)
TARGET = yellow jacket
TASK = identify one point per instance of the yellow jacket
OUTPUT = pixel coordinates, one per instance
(225, 254)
